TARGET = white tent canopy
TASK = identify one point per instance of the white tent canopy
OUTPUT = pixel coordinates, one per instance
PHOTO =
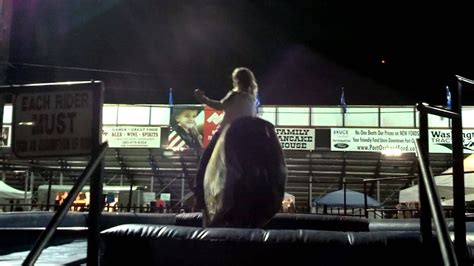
(450, 202)
(8, 192)
(444, 183)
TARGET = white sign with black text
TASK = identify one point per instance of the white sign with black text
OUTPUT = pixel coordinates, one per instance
(296, 138)
(402, 140)
(132, 136)
(54, 122)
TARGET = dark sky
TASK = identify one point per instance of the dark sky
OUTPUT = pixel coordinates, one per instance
(302, 52)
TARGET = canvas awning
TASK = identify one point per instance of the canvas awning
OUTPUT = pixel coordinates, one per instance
(444, 183)
(353, 199)
(8, 192)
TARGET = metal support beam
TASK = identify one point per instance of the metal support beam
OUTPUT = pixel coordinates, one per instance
(458, 177)
(426, 215)
(343, 172)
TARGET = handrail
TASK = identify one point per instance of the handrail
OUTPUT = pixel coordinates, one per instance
(424, 107)
(454, 113)
(464, 79)
(445, 243)
(64, 208)
(407, 177)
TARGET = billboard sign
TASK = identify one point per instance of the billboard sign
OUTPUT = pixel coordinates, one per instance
(296, 138)
(132, 136)
(186, 125)
(402, 140)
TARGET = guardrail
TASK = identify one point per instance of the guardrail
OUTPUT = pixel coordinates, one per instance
(432, 195)
(64, 208)
(429, 200)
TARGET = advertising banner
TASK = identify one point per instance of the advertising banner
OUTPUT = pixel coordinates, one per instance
(440, 140)
(296, 138)
(186, 130)
(402, 140)
(6, 136)
(212, 121)
(132, 136)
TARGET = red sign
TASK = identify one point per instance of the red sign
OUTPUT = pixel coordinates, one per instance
(212, 121)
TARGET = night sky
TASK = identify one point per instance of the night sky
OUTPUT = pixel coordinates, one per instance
(302, 52)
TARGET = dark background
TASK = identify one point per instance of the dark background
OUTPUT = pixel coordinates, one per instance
(302, 52)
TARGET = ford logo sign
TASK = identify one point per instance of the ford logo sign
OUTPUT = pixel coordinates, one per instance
(341, 145)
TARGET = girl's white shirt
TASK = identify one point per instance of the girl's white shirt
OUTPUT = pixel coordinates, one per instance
(238, 104)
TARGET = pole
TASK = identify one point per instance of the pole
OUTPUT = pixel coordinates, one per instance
(426, 215)
(130, 194)
(365, 200)
(26, 186)
(2, 105)
(458, 179)
(152, 179)
(345, 199)
(48, 197)
(96, 189)
(310, 188)
(182, 192)
(378, 190)
(32, 180)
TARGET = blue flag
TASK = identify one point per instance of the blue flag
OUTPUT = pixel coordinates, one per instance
(170, 100)
(257, 102)
(343, 102)
(448, 98)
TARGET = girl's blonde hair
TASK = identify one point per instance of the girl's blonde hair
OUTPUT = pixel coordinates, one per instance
(244, 80)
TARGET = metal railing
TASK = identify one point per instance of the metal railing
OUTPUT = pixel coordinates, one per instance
(46, 235)
(377, 180)
(445, 243)
(429, 199)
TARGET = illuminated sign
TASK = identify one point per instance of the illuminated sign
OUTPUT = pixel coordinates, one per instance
(132, 137)
(395, 140)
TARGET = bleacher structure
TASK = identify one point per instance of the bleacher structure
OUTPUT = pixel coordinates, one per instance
(311, 173)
